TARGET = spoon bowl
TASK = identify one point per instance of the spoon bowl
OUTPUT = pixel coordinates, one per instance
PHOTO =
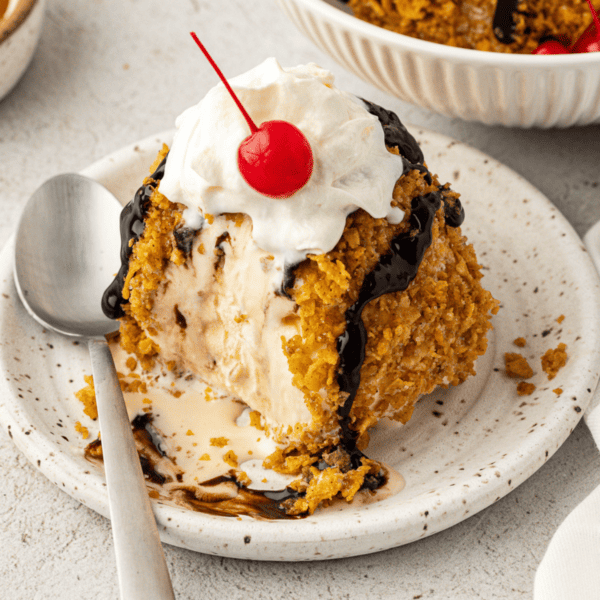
(66, 253)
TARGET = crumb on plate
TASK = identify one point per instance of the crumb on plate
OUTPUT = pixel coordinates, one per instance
(516, 366)
(525, 389)
(553, 360)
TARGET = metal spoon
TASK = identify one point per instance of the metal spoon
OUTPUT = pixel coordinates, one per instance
(67, 250)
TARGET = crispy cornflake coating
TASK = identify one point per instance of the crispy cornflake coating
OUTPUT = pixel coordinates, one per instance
(469, 24)
(426, 336)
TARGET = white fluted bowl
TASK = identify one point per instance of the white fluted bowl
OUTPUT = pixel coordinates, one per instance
(493, 88)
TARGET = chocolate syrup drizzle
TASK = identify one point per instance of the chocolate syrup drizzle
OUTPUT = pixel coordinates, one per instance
(393, 273)
(132, 227)
(504, 22)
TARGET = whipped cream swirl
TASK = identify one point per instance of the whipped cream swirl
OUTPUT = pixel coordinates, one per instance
(352, 168)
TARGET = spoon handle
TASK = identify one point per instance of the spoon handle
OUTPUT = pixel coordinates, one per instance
(141, 565)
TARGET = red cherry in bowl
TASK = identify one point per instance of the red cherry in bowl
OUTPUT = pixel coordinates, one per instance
(551, 47)
(589, 41)
(276, 160)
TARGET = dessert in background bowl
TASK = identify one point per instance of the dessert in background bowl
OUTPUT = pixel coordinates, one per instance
(515, 26)
(317, 313)
(495, 88)
(20, 28)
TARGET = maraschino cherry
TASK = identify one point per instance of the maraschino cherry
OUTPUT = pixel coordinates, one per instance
(276, 158)
(551, 47)
(589, 40)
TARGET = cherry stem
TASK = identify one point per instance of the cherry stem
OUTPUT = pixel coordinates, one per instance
(213, 64)
(595, 15)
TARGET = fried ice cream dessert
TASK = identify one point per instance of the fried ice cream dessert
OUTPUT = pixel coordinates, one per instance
(322, 312)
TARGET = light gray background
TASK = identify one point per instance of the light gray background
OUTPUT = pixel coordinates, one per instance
(110, 72)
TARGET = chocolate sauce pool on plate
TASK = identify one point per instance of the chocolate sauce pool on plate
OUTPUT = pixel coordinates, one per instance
(393, 273)
(164, 485)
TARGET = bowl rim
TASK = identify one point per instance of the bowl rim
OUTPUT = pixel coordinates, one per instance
(433, 49)
(16, 18)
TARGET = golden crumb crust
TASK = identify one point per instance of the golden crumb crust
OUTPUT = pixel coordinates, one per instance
(150, 255)
(429, 335)
(470, 24)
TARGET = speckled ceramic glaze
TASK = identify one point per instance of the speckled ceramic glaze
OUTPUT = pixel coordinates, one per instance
(463, 449)
(19, 34)
(495, 88)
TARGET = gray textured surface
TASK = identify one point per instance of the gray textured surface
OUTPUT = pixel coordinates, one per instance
(110, 72)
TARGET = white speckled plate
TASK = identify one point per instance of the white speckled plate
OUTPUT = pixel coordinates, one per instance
(463, 449)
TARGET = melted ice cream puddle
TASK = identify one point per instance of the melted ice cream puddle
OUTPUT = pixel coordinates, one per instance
(181, 422)
(204, 432)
